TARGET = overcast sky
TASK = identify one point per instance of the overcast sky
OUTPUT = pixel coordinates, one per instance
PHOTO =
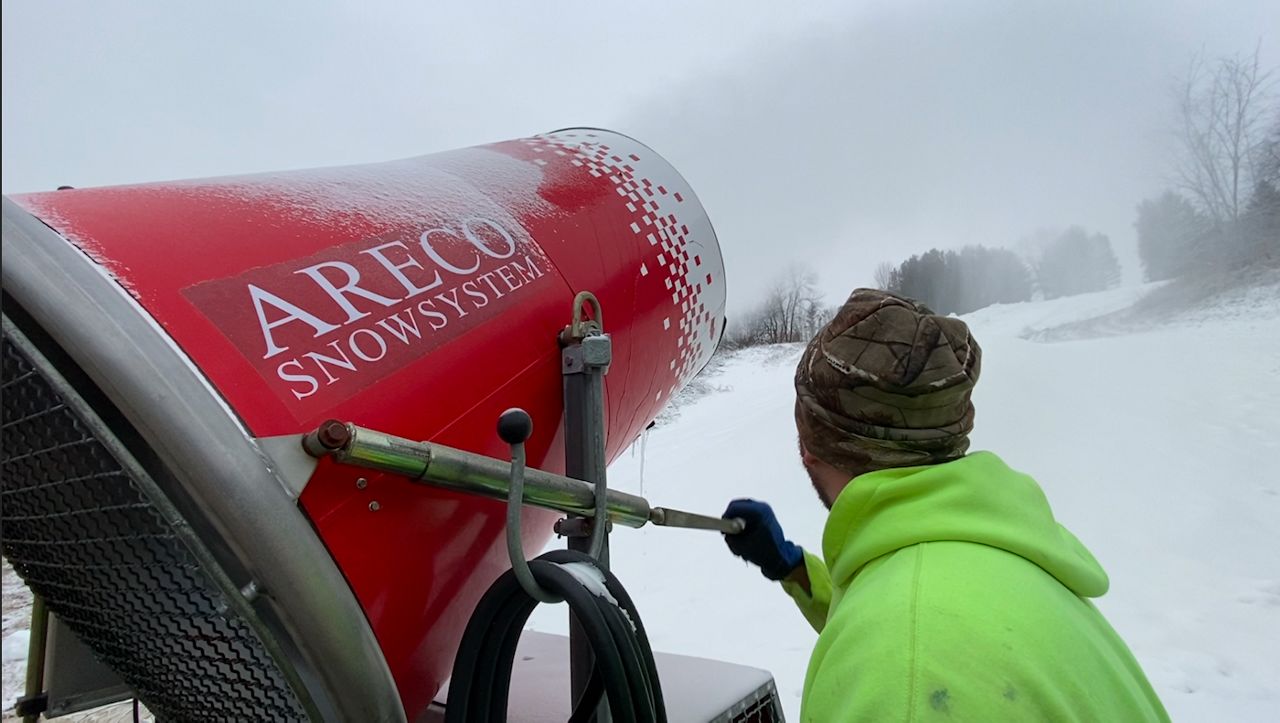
(832, 134)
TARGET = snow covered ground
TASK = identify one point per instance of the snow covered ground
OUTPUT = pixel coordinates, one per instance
(1158, 449)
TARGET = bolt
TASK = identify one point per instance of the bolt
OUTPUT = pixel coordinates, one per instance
(374, 506)
(573, 527)
(361, 483)
(333, 434)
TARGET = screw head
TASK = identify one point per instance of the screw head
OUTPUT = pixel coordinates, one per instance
(333, 434)
(361, 483)
(374, 506)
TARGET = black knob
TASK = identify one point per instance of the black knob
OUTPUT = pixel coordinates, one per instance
(515, 426)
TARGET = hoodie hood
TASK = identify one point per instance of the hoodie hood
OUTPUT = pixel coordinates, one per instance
(975, 499)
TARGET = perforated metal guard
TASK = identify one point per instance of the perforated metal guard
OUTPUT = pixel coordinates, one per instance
(82, 533)
(760, 707)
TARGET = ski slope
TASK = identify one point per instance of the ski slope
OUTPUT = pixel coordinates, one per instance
(1158, 449)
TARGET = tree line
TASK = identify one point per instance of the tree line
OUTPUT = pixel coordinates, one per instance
(1221, 213)
(958, 282)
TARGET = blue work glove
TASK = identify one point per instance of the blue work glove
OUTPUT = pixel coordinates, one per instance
(761, 542)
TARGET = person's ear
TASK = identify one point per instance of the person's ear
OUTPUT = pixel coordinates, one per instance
(807, 457)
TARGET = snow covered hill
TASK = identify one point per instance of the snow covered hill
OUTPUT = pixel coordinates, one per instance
(1158, 449)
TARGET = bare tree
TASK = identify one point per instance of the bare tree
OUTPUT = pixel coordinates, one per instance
(1222, 110)
(885, 276)
(790, 311)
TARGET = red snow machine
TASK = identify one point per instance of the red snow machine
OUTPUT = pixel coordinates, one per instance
(250, 464)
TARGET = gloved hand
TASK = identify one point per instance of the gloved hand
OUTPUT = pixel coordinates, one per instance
(761, 542)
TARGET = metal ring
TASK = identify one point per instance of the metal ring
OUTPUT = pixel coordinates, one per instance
(578, 328)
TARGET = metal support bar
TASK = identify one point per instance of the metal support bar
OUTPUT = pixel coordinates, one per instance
(584, 420)
(586, 356)
(31, 705)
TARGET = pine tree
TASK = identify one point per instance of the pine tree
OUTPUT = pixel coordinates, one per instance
(1076, 263)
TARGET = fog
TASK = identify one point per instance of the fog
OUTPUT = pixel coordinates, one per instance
(911, 128)
(839, 137)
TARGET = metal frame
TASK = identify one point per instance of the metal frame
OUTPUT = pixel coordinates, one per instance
(306, 603)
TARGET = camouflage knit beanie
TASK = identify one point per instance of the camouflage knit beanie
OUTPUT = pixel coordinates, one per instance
(886, 384)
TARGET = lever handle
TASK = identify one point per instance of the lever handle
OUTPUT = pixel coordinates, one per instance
(515, 426)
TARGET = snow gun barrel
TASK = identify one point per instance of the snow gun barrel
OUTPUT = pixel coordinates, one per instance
(462, 471)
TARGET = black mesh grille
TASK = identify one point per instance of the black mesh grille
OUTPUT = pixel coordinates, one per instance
(85, 537)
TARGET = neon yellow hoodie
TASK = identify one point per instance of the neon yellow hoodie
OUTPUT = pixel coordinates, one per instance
(951, 593)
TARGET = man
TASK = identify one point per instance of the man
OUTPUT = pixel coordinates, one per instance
(947, 591)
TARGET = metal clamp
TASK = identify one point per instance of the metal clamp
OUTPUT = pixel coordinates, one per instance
(515, 426)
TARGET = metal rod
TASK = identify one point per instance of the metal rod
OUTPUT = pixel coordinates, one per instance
(463, 471)
(35, 652)
(515, 544)
(667, 517)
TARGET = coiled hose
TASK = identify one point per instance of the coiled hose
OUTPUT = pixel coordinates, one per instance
(624, 669)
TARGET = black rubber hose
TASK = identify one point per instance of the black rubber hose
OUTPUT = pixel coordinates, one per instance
(504, 624)
(585, 710)
(508, 637)
(501, 611)
(624, 639)
(629, 631)
(608, 649)
(614, 586)
(470, 649)
(624, 670)
(496, 630)
(493, 683)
